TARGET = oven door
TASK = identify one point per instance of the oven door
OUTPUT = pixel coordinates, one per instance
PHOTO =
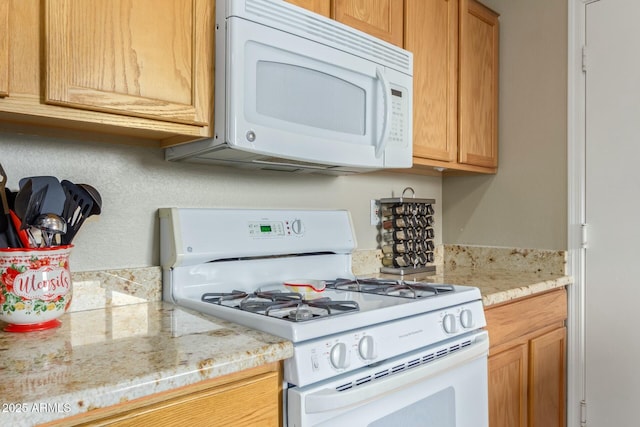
(438, 386)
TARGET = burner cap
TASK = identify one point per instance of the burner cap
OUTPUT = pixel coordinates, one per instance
(300, 314)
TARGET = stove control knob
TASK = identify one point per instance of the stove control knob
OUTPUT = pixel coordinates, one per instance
(367, 348)
(466, 318)
(339, 356)
(449, 323)
(297, 227)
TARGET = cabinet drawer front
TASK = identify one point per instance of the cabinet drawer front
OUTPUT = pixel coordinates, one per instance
(252, 402)
(513, 320)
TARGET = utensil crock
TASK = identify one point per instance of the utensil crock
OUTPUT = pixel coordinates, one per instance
(35, 287)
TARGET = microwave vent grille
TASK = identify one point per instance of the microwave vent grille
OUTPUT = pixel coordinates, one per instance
(329, 32)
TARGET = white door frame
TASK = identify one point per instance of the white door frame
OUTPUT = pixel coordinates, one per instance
(576, 227)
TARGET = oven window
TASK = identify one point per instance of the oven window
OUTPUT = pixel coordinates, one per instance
(435, 410)
(304, 96)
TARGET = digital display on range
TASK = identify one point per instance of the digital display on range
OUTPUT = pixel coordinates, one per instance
(262, 229)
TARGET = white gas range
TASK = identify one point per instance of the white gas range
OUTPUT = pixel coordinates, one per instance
(364, 348)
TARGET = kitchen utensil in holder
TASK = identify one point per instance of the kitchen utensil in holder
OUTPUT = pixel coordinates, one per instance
(406, 234)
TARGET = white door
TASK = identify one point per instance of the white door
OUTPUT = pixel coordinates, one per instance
(612, 275)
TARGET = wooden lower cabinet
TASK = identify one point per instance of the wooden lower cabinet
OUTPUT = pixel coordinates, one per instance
(248, 398)
(547, 369)
(508, 387)
(527, 361)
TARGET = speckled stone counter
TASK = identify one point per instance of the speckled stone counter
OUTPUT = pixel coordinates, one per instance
(504, 274)
(499, 286)
(501, 274)
(119, 342)
(102, 357)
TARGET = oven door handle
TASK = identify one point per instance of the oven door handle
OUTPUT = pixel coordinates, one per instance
(329, 399)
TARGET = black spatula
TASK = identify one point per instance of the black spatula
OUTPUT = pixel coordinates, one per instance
(77, 208)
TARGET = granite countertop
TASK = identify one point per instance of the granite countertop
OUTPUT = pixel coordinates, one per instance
(119, 342)
(499, 286)
(102, 357)
(501, 274)
(504, 274)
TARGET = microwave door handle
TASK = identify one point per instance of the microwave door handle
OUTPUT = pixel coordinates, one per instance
(386, 92)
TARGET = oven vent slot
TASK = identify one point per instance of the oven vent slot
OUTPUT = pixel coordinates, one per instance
(442, 352)
(398, 368)
(380, 374)
(427, 358)
(413, 363)
(363, 380)
(344, 387)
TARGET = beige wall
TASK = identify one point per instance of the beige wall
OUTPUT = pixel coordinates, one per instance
(525, 204)
(136, 181)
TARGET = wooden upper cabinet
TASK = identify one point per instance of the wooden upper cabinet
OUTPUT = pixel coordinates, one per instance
(478, 92)
(431, 33)
(322, 7)
(380, 18)
(4, 47)
(140, 58)
(455, 85)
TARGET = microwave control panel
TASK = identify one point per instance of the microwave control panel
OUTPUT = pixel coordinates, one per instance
(399, 117)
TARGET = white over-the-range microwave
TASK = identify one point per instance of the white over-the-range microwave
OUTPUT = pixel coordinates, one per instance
(296, 91)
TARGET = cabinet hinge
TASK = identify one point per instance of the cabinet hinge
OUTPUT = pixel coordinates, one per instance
(584, 59)
(584, 235)
(583, 413)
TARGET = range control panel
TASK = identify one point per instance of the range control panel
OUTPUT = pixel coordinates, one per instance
(351, 350)
(284, 228)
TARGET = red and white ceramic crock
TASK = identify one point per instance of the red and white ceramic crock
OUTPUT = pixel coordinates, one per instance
(35, 287)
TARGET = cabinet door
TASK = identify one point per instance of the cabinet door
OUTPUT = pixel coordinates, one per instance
(4, 48)
(322, 7)
(143, 58)
(478, 96)
(380, 18)
(547, 379)
(508, 387)
(431, 33)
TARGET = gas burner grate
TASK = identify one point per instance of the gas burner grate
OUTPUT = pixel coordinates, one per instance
(219, 297)
(399, 288)
(277, 303)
